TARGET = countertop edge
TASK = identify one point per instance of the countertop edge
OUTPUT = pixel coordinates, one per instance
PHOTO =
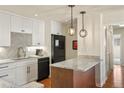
(84, 70)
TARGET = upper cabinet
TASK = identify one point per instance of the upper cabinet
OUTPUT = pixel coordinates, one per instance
(38, 34)
(56, 28)
(21, 24)
(5, 22)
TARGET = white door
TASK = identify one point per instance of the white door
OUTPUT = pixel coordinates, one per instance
(27, 25)
(16, 23)
(32, 72)
(21, 75)
(38, 33)
(35, 34)
(4, 29)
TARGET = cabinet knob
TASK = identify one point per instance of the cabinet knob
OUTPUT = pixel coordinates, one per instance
(23, 30)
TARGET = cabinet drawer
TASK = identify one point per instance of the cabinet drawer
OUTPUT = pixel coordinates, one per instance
(24, 62)
(7, 66)
(8, 75)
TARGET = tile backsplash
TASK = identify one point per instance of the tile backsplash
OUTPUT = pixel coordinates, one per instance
(17, 40)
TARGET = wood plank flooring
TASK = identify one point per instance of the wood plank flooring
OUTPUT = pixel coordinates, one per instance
(115, 79)
(46, 82)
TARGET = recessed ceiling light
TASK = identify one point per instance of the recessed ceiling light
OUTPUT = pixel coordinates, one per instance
(35, 14)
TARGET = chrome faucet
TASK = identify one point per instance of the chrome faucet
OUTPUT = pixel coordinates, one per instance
(21, 52)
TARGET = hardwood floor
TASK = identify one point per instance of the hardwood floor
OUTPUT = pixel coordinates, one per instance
(115, 79)
(46, 82)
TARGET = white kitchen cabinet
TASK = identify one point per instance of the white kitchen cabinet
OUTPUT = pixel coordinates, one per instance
(21, 24)
(21, 75)
(32, 72)
(5, 29)
(56, 28)
(38, 33)
(26, 71)
(8, 75)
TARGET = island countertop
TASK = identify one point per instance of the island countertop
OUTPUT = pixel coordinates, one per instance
(79, 63)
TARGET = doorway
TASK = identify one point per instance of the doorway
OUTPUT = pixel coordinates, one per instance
(114, 37)
(116, 49)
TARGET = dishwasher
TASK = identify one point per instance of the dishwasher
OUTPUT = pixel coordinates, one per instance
(43, 68)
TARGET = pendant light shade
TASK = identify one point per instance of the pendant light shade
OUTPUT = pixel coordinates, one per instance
(71, 30)
(83, 32)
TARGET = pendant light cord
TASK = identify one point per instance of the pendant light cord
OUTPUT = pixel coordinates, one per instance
(71, 16)
(82, 21)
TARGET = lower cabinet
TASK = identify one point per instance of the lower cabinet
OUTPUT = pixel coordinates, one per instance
(32, 72)
(8, 75)
(20, 72)
(26, 73)
(21, 75)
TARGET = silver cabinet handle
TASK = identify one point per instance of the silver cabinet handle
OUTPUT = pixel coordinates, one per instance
(4, 67)
(29, 69)
(4, 76)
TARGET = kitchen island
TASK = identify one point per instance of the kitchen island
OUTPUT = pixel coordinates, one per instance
(74, 73)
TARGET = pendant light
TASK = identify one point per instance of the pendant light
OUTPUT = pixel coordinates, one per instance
(71, 30)
(83, 32)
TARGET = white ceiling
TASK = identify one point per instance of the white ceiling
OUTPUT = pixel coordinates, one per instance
(54, 12)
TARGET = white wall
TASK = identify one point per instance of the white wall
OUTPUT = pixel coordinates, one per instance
(94, 43)
(90, 44)
(70, 53)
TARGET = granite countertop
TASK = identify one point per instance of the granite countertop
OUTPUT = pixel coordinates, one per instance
(80, 63)
(4, 61)
(11, 60)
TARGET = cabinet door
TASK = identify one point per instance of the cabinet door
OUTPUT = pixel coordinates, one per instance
(16, 23)
(42, 33)
(35, 35)
(8, 75)
(27, 25)
(32, 72)
(21, 24)
(38, 33)
(21, 75)
(4, 29)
